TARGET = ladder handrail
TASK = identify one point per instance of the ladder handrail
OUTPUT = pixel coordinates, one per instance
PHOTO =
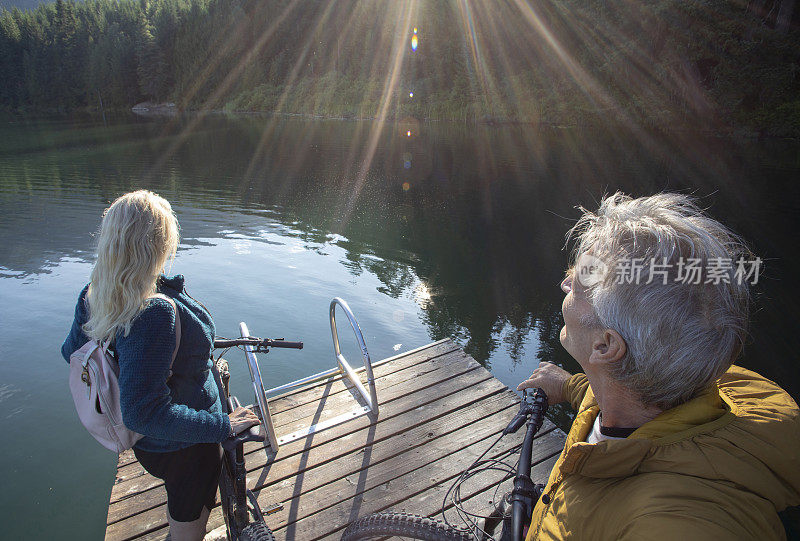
(343, 368)
(371, 399)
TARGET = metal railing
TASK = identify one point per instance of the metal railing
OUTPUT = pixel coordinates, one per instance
(343, 368)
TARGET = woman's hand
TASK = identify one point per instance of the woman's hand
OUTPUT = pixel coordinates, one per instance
(222, 365)
(550, 378)
(242, 419)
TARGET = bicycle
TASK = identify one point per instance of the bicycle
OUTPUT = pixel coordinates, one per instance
(244, 520)
(511, 515)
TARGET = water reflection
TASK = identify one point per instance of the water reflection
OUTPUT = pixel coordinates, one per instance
(478, 219)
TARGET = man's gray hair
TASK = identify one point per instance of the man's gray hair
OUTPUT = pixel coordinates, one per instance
(680, 336)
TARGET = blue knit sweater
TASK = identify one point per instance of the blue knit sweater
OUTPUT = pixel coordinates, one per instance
(171, 412)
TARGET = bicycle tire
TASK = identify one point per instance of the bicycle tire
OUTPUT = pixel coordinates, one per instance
(256, 531)
(405, 525)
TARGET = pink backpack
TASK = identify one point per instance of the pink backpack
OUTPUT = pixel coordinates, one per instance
(93, 381)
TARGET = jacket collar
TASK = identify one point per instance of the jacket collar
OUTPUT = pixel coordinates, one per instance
(173, 282)
(623, 458)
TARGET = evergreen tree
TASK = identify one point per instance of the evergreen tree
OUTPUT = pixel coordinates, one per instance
(647, 61)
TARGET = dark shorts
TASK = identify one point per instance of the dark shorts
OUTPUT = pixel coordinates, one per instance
(190, 475)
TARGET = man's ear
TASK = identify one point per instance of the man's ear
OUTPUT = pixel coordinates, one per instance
(608, 346)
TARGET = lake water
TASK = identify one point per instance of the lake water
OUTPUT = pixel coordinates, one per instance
(427, 230)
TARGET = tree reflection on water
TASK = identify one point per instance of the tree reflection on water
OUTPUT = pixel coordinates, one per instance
(468, 221)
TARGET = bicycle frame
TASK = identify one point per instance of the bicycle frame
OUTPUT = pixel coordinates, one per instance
(525, 493)
(523, 496)
(234, 469)
(232, 464)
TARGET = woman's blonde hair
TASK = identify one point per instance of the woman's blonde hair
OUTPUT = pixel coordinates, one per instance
(139, 233)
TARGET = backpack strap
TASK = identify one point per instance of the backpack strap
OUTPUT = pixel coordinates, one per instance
(177, 327)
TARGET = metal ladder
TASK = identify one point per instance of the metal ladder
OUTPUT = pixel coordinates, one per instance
(272, 442)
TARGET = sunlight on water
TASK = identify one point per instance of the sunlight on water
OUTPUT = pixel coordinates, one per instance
(422, 295)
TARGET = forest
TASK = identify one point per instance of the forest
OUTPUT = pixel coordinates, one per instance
(712, 65)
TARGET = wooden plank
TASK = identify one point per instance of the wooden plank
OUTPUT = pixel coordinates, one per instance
(451, 360)
(409, 490)
(429, 503)
(439, 411)
(477, 380)
(380, 368)
(373, 463)
(334, 452)
(134, 479)
(333, 386)
(344, 485)
(154, 517)
(328, 504)
(314, 393)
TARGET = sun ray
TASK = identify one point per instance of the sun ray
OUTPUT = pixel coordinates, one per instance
(402, 28)
(221, 89)
(288, 88)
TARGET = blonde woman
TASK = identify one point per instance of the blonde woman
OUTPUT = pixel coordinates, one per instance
(179, 413)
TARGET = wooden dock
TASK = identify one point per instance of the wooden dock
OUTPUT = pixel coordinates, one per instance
(439, 411)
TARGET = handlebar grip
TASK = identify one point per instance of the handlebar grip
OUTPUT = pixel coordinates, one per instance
(533, 405)
(284, 344)
(224, 343)
(515, 424)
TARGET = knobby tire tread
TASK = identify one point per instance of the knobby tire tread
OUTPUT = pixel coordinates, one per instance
(257, 531)
(404, 525)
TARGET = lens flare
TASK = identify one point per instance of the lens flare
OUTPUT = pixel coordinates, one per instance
(414, 42)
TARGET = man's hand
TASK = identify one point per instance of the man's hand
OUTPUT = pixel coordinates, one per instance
(550, 378)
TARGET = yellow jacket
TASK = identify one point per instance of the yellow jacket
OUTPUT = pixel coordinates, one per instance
(720, 466)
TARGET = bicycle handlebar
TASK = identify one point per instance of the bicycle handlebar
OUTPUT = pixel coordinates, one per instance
(223, 343)
(533, 406)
